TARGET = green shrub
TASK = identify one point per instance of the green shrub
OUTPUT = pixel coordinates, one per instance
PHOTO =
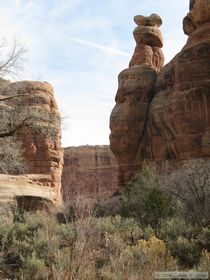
(156, 207)
(187, 252)
(143, 200)
(111, 247)
(204, 238)
(34, 268)
(204, 265)
(176, 226)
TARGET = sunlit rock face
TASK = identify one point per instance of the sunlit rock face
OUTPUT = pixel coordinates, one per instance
(30, 191)
(167, 117)
(35, 116)
(135, 92)
(89, 171)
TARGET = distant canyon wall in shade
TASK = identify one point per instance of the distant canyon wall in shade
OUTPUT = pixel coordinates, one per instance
(89, 171)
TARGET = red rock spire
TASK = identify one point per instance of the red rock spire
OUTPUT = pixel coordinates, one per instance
(135, 91)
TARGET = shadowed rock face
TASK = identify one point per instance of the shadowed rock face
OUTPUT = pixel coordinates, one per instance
(36, 110)
(89, 171)
(178, 125)
(174, 124)
(135, 91)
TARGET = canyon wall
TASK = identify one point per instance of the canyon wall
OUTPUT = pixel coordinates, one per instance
(178, 126)
(90, 171)
(171, 122)
(30, 138)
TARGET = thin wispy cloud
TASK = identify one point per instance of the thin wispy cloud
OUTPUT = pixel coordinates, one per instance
(101, 47)
(60, 8)
(80, 47)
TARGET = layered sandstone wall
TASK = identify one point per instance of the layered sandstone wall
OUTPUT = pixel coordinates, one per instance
(173, 122)
(90, 171)
(33, 116)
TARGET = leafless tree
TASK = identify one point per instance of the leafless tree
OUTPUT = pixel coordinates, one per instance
(11, 64)
(11, 150)
(77, 206)
(15, 115)
(14, 112)
(190, 184)
(11, 58)
(11, 156)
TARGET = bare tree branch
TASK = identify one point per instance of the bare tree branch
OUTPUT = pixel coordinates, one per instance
(12, 58)
(191, 184)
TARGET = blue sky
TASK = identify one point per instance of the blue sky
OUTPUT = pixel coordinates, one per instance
(80, 46)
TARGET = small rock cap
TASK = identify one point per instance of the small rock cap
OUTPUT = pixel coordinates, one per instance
(152, 20)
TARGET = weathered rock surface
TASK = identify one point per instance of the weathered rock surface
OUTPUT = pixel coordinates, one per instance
(178, 126)
(135, 91)
(91, 171)
(175, 121)
(27, 186)
(34, 116)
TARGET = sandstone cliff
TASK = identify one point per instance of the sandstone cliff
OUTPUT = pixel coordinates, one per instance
(29, 115)
(175, 119)
(90, 171)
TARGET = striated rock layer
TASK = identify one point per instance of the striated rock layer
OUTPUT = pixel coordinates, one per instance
(91, 171)
(174, 123)
(34, 117)
(32, 191)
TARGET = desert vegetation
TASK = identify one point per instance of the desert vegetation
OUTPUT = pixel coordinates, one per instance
(174, 202)
(153, 231)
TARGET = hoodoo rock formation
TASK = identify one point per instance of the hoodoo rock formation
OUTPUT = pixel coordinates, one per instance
(135, 92)
(171, 116)
(89, 171)
(30, 115)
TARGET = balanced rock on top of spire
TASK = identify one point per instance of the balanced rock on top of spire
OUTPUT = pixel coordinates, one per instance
(152, 20)
(147, 31)
(149, 42)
